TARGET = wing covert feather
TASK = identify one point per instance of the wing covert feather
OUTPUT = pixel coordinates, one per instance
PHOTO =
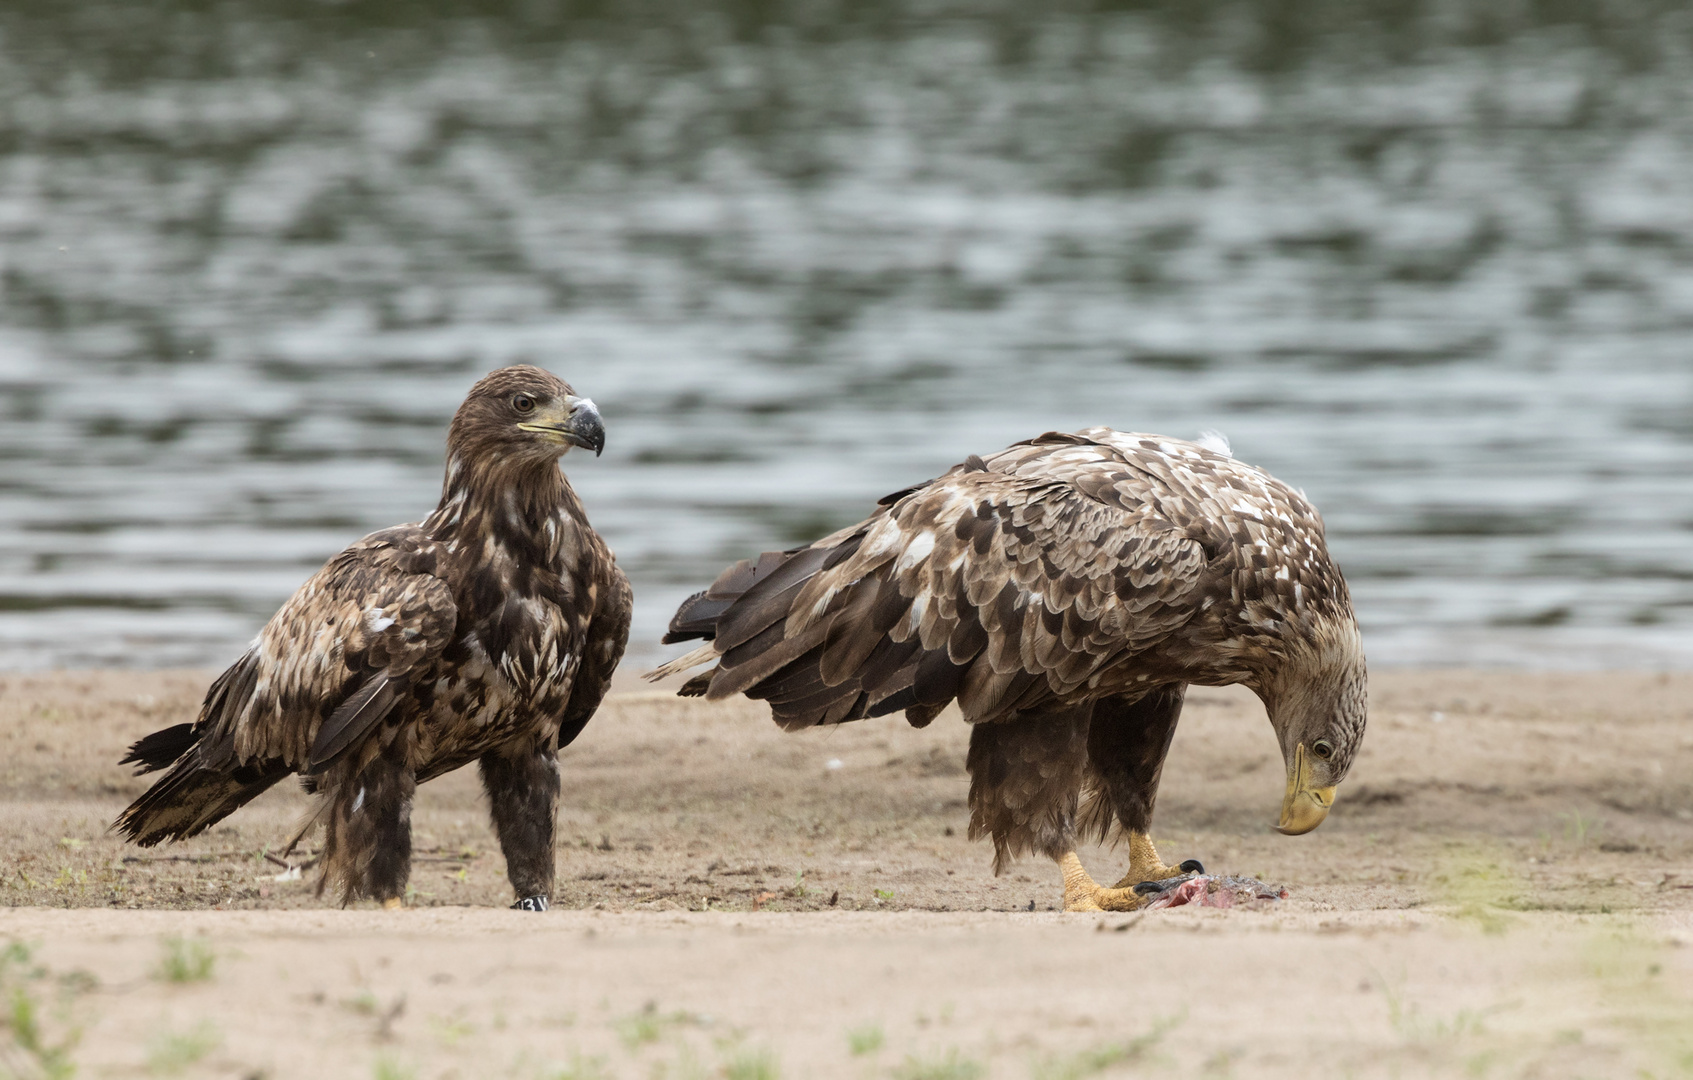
(374, 621)
(1002, 583)
(608, 635)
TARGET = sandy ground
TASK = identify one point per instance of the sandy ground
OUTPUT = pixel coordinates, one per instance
(1504, 889)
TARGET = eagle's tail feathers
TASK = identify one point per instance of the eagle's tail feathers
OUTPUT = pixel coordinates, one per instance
(698, 615)
(696, 618)
(161, 749)
(705, 654)
(841, 665)
(191, 798)
(770, 599)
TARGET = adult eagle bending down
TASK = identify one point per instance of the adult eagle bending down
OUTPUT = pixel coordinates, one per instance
(1064, 592)
(486, 633)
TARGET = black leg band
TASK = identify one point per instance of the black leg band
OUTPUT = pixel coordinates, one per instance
(531, 903)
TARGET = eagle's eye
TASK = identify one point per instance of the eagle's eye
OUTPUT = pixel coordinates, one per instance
(523, 403)
(1323, 749)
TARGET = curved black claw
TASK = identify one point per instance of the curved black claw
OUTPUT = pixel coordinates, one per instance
(1147, 888)
(1191, 866)
(531, 903)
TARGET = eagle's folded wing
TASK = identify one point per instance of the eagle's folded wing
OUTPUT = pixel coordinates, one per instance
(321, 675)
(608, 634)
(1002, 584)
(328, 666)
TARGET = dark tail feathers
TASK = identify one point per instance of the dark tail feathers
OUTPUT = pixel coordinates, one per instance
(698, 615)
(161, 748)
(743, 614)
(191, 798)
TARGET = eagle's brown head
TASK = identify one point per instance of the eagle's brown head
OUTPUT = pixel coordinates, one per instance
(523, 415)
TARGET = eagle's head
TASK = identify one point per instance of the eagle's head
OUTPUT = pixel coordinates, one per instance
(1318, 706)
(522, 414)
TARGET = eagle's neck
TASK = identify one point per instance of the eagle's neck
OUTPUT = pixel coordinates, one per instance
(526, 508)
(1318, 663)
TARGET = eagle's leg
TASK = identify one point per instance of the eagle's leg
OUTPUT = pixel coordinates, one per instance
(1127, 744)
(1025, 784)
(367, 845)
(523, 785)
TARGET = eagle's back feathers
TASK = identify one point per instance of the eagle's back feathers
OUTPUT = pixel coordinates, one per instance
(1062, 568)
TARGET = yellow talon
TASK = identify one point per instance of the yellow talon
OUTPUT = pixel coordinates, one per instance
(1144, 863)
(1082, 893)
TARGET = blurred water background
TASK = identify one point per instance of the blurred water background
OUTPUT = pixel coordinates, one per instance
(1430, 260)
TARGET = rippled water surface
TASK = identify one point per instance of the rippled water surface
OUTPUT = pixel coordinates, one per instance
(1431, 262)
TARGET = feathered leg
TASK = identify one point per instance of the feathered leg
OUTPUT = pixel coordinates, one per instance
(1127, 745)
(367, 842)
(523, 786)
(1025, 784)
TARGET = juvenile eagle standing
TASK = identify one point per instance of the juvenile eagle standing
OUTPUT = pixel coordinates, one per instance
(486, 633)
(1064, 592)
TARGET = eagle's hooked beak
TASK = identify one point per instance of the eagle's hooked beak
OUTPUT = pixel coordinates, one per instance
(1303, 807)
(585, 428)
(580, 426)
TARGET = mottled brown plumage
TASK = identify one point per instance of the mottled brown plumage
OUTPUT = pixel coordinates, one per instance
(488, 632)
(1063, 592)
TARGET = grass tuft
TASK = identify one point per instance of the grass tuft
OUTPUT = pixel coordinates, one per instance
(865, 1039)
(1100, 1058)
(171, 1053)
(28, 1045)
(386, 1068)
(1480, 888)
(649, 1025)
(1415, 1028)
(950, 1066)
(1627, 968)
(582, 1068)
(186, 960)
(752, 1065)
(639, 1029)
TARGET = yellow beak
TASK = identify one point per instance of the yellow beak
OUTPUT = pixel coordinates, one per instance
(578, 423)
(1303, 807)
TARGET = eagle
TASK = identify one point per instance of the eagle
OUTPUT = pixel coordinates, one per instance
(488, 632)
(1064, 592)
